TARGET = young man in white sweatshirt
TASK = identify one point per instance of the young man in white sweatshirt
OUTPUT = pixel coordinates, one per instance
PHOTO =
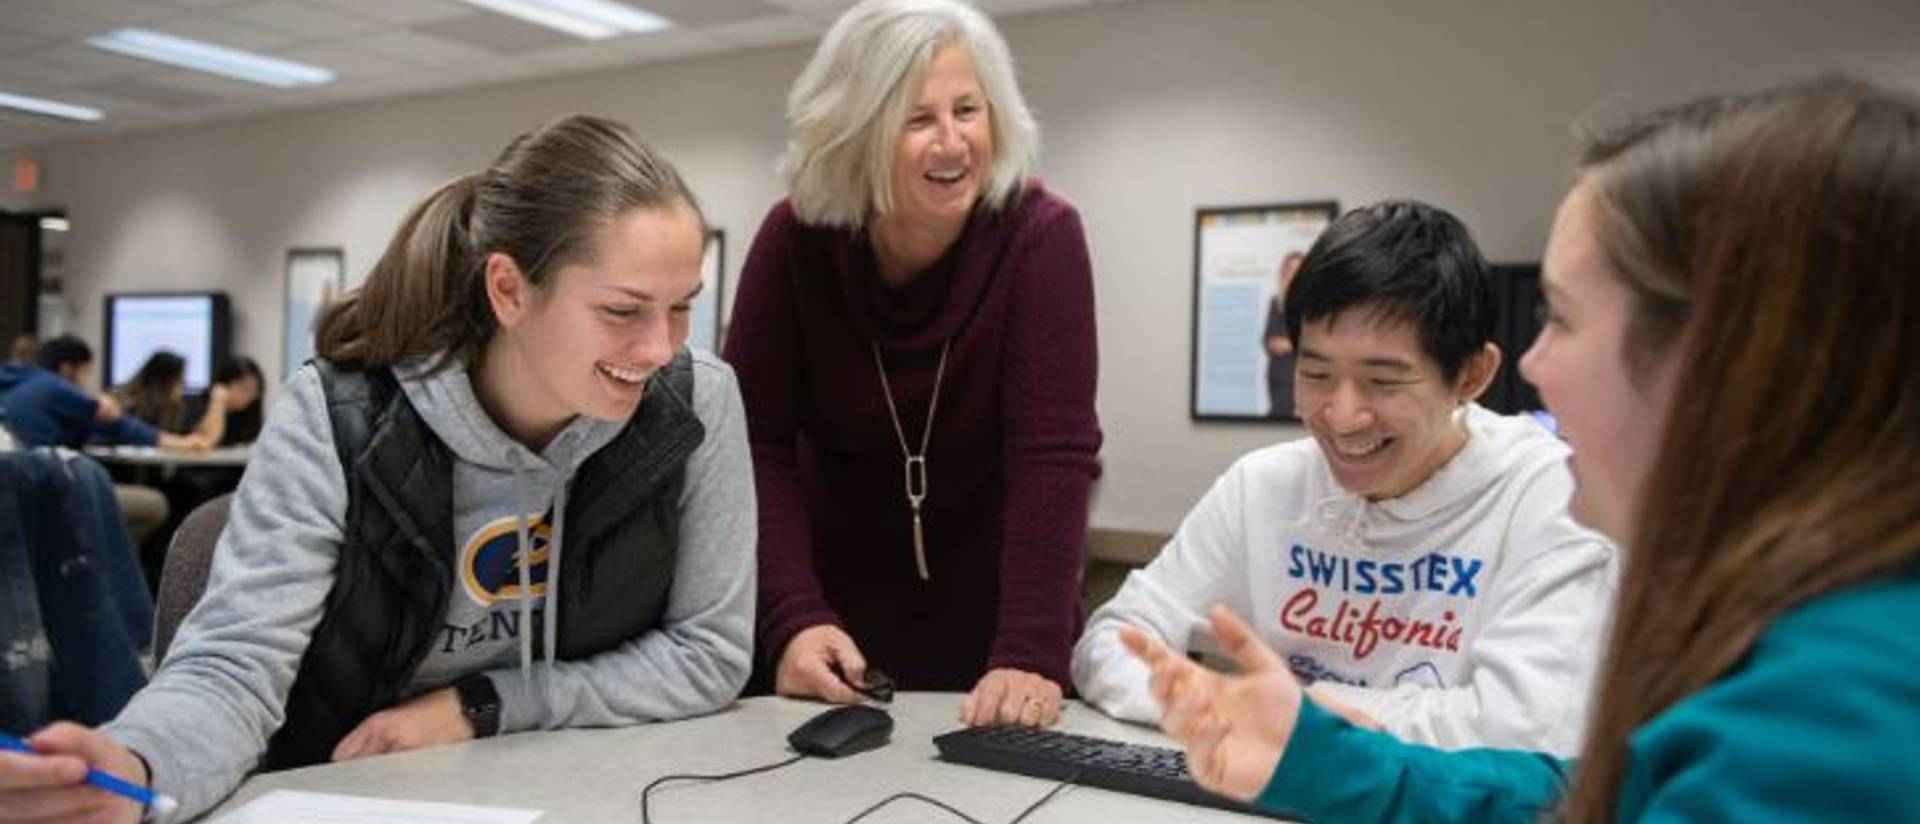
(1413, 560)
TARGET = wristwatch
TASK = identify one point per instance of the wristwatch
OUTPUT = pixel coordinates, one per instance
(479, 703)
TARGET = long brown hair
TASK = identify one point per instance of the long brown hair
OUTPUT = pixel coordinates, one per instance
(1771, 243)
(152, 393)
(539, 203)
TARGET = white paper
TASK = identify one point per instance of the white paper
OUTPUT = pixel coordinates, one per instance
(290, 807)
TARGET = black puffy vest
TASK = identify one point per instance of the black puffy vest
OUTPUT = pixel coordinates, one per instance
(394, 574)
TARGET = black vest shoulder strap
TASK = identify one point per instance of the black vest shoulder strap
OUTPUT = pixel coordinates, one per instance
(355, 399)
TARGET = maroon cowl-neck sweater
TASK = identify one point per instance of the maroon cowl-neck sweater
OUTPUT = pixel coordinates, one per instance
(1013, 454)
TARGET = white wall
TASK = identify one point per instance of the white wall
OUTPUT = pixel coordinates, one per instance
(1148, 110)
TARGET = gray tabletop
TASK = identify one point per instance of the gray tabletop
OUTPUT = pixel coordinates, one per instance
(594, 776)
(228, 456)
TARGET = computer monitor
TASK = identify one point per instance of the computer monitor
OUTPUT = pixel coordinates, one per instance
(193, 325)
(1518, 286)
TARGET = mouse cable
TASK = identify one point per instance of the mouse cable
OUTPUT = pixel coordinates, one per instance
(645, 818)
(950, 808)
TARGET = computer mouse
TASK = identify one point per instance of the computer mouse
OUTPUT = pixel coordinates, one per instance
(842, 731)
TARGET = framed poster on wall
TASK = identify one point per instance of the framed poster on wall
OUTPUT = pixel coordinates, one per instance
(314, 276)
(1243, 258)
(705, 327)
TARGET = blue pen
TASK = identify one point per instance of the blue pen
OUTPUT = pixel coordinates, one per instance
(156, 803)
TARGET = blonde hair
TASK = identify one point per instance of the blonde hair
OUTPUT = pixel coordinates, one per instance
(847, 108)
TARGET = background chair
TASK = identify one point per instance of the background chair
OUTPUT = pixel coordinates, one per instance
(184, 576)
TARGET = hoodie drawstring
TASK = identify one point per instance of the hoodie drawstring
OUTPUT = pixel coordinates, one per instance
(550, 608)
(552, 620)
(525, 547)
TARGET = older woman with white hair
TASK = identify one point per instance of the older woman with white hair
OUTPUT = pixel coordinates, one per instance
(914, 337)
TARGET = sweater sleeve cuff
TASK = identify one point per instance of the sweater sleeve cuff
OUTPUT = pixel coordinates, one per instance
(161, 774)
(522, 703)
(1308, 766)
(775, 633)
(1044, 666)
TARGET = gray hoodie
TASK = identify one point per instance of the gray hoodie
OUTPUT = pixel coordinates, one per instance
(204, 721)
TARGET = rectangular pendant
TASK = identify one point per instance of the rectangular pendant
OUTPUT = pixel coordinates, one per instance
(920, 547)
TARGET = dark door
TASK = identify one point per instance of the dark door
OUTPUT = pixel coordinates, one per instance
(19, 276)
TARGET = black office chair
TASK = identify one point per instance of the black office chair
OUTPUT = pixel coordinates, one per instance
(184, 577)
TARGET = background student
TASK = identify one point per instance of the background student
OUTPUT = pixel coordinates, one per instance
(1762, 665)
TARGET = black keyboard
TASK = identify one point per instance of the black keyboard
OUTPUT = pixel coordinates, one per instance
(1156, 772)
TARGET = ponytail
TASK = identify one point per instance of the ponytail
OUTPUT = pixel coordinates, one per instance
(424, 296)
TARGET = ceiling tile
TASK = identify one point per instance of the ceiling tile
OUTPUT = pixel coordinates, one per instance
(72, 63)
(150, 92)
(351, 65)
(110, 12)
(40, 20)
(223, 31)
(586, 56)
(13, 41)
(302, 20)
(202, 5)
(999, 8)
(214, 86)
(816, 9)
(707, 12)
(401, 12)
(498, 34)
(677, 43)
(776, 30)
(404, 46)
(21, 73)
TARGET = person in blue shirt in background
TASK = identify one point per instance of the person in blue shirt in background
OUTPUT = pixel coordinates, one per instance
(44, 404)
(1732, 349)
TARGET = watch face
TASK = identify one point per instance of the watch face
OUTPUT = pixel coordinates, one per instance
(480, 704)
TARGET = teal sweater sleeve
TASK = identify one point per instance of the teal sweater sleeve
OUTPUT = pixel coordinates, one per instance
(1334, 771)
(1820, 723)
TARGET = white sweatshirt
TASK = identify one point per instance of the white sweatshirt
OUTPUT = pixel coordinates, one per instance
(1468, 612)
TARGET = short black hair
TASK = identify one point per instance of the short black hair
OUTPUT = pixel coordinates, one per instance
(1400, 260)
(64, 350)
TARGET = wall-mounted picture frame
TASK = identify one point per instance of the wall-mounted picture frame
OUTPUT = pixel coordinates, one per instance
(315, 275)
(707, 325)
(1243, 258)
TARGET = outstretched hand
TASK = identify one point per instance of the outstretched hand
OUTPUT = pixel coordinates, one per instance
(1235, 727)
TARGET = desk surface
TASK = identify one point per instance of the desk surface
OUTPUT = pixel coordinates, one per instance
(234, 456)
(594, 776)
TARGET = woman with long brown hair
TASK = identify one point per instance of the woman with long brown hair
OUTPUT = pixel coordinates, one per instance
(1732, 348)
(503, 436)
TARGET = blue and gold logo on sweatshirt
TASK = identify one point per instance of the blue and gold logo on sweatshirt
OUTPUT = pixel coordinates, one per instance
(490, 561)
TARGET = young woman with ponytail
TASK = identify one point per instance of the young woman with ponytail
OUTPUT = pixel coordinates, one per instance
(503, 497)
(1732, 349)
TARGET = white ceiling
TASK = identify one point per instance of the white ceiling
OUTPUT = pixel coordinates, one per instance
(379, 48)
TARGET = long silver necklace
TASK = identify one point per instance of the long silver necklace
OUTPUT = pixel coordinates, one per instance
(916, 463)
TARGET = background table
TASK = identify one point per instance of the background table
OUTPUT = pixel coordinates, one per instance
(227, 456)
(595, 776)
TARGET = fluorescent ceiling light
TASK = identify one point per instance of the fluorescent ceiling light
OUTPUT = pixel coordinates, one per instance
(212, 59)
(55, 224)
(50, 108)
(590, 19)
